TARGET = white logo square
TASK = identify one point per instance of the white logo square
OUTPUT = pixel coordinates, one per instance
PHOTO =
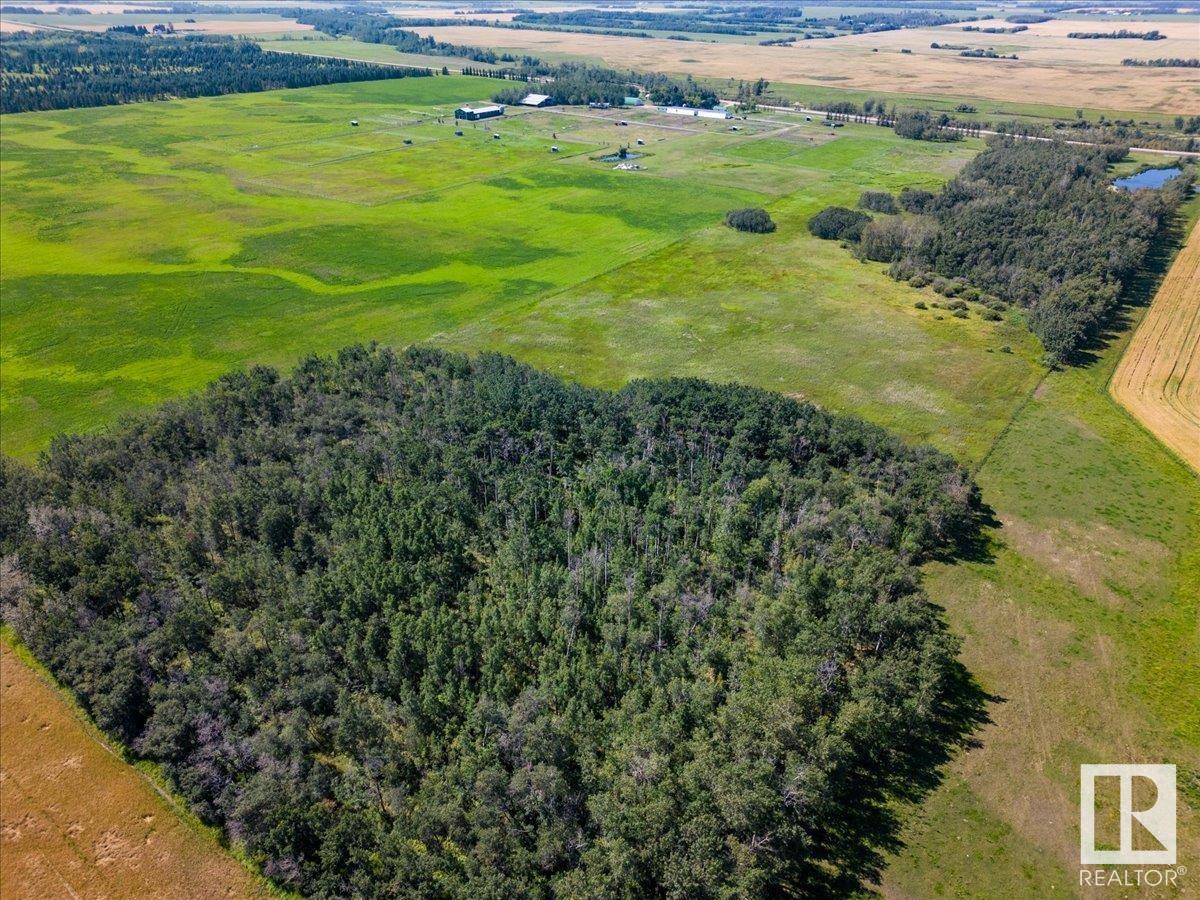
(1158, 819)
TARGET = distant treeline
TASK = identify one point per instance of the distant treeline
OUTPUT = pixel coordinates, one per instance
(915, 124)
(922, 126)
(1036, 224)
(940, 126)
(986, 54)
(1027, 18)
(62, 70)
(579, 83)
(728, 20)
(1172, 62)
(1123, 35)
(384, 29)
(996, 29)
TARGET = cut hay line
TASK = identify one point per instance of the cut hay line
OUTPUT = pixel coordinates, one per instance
(1158, 378)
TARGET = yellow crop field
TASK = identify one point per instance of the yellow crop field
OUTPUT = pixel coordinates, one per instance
(1158, 378)
(76, 821)
(1052, 68)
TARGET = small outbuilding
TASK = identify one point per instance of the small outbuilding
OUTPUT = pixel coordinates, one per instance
(633, 101)
(718, 113)
(536, 100)
(474, 114)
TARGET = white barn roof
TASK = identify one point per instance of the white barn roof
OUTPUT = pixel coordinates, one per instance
(535, 99)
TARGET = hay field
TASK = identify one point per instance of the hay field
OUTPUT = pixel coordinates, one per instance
(76, 821)
(151, 247)
(1095, 81)
(1045, 44)
(1158, 379)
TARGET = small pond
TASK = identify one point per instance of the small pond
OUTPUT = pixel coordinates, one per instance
(1151, 178)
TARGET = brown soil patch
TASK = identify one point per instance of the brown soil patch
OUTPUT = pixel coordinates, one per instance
(1098, 561)
(76, 821)
(1158, 378)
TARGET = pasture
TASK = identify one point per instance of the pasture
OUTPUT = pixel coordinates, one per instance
(149, 248)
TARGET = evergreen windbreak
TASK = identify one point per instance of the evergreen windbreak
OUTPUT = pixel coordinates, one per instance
(426, 625)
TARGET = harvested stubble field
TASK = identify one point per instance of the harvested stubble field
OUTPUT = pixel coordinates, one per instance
(1158, 379)
(78, 822)
(1095, 80)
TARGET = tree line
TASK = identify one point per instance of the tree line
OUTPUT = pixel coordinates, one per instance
(373, 28)
(580, 83)
(1035, 224)
(422, 625)
(61, 70)
(1164, 62)
(1123, 34)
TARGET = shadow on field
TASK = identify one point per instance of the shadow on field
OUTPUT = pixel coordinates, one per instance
(872, 804)
(1140, 291)
(871, 822)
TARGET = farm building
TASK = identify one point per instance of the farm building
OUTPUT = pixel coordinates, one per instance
(479, 112)
(633, 101)
(718, 113)
(536, 100)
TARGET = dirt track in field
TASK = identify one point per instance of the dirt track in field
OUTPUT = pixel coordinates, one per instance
(1158, 378)
(76, 821)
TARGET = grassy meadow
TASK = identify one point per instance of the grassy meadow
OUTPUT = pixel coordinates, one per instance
(174, 241)
(146, 249)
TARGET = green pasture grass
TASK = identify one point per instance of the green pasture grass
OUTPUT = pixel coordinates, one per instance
(787, 311)
(1081, 623)
(150, 247)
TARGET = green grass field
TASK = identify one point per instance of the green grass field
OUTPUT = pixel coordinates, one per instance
(146, 249)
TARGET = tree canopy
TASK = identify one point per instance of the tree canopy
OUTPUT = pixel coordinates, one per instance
(425, 625)
(753, 219)
(61, 70)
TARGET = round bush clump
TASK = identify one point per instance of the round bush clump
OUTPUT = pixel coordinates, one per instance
(752, 219)
(838, 223)
(878, 201)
